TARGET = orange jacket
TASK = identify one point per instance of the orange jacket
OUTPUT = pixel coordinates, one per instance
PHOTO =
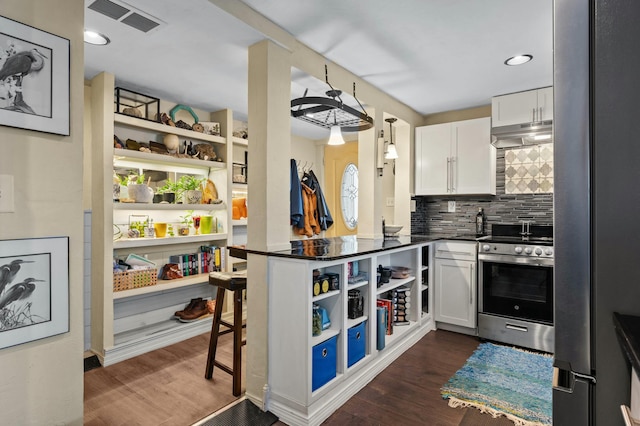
(310, 209)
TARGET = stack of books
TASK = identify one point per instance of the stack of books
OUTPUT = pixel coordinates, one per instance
(208, 259)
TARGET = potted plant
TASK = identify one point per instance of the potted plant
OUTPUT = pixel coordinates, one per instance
(138, 190)
(184, 225)
(190, 189)
(166, 193)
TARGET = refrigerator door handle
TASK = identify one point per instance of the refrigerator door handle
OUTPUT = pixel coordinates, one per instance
(564, 380)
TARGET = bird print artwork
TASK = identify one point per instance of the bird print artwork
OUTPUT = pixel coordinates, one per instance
(25, 76)
(24, 299)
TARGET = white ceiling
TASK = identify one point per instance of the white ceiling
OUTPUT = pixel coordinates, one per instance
(432, 55)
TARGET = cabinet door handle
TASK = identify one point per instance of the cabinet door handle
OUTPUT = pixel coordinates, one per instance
(448, 174)
(540, 114)
(533, 115)
(453, 182)
(471, 284)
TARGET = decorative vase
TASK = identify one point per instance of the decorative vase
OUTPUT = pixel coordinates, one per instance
(172, 143)
(140, 193)
(193, 196)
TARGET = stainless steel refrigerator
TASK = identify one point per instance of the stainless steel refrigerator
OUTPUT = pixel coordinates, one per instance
(596, 204)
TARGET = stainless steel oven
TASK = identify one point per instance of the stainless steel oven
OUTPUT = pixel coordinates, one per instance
(515, 288)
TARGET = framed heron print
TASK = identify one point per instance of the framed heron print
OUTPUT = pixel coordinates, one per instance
(34, 289)
(34, 78)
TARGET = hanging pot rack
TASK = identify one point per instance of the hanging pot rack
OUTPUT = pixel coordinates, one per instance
(331, 111)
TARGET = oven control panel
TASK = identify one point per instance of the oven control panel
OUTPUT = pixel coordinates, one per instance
(516, 250)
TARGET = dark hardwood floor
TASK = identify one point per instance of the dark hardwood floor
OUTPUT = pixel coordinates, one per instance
(408, 391)
(163, 387)
(167, 387)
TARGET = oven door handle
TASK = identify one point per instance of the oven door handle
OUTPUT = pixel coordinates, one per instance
(515, 260)
(516, 327)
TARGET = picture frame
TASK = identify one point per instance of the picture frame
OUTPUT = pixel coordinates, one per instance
(34, 289)
(34, 78)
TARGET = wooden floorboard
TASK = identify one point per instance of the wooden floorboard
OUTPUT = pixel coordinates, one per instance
(167, 387)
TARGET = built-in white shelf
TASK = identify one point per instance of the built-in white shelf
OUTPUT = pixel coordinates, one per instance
(162, 286)
(163, 128)
(239, 222)
(240, 141)
(326, 295)
(356, 321)
(398, 332)
(326, 335)
(163, 206)
(358, 284)
(394, 283)
(122, 158)
(145, 242)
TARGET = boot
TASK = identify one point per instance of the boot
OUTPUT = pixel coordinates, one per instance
(189, 307)
(199, 310)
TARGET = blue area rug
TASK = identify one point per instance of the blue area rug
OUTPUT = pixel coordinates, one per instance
(504, 381)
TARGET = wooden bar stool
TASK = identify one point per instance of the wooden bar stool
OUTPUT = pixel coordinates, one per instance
(235, 282)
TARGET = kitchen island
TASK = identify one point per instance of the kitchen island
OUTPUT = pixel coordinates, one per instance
(311, 374)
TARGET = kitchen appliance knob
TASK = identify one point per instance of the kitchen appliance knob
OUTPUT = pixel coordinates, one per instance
(548, 251)
(528, 250)
(538, 251)
(518, 249)
(486, 247)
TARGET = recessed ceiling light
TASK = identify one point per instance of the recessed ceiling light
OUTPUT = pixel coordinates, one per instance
(518, 60)
(93, 37)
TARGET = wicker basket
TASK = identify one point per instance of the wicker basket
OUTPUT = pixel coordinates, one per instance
(134, 279)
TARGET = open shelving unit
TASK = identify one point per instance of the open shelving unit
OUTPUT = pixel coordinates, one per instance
(292, 345)
(131, 322)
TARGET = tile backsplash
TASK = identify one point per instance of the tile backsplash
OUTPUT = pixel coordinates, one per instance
(432, 216)
(529, 170)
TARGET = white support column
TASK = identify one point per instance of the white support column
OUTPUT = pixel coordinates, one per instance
(402, 202)
(268, 183)
(370, 203)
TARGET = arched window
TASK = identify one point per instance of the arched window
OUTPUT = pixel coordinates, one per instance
(349, 196)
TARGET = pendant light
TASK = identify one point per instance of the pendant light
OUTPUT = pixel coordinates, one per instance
(391, 153)
(335, 137)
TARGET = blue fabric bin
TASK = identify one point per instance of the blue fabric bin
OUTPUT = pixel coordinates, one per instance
(356, 343)
(324, 363)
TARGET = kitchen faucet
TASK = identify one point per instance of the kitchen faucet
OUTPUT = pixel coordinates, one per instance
(526, 229)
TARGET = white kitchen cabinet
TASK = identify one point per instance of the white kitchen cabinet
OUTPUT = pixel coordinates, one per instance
(522, 107)
(455, 284)
(455, 159)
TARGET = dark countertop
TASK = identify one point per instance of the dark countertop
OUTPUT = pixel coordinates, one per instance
(343, 247)
(628, 331)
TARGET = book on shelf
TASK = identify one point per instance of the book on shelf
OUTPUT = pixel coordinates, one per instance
(388, 305)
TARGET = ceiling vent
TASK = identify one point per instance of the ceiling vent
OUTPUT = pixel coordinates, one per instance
(126, 14)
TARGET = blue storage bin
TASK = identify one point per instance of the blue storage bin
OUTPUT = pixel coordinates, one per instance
(324, 363)
(356, 343)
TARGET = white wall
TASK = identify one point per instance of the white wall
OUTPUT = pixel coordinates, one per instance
(42, 381)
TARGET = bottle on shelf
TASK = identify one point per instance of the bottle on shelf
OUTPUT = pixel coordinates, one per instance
(316, 327)
(480, 222)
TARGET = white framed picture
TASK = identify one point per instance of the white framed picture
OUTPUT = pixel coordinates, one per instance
(34, 289)
(34, 78)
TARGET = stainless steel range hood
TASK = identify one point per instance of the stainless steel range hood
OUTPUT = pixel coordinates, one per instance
(522, 134)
